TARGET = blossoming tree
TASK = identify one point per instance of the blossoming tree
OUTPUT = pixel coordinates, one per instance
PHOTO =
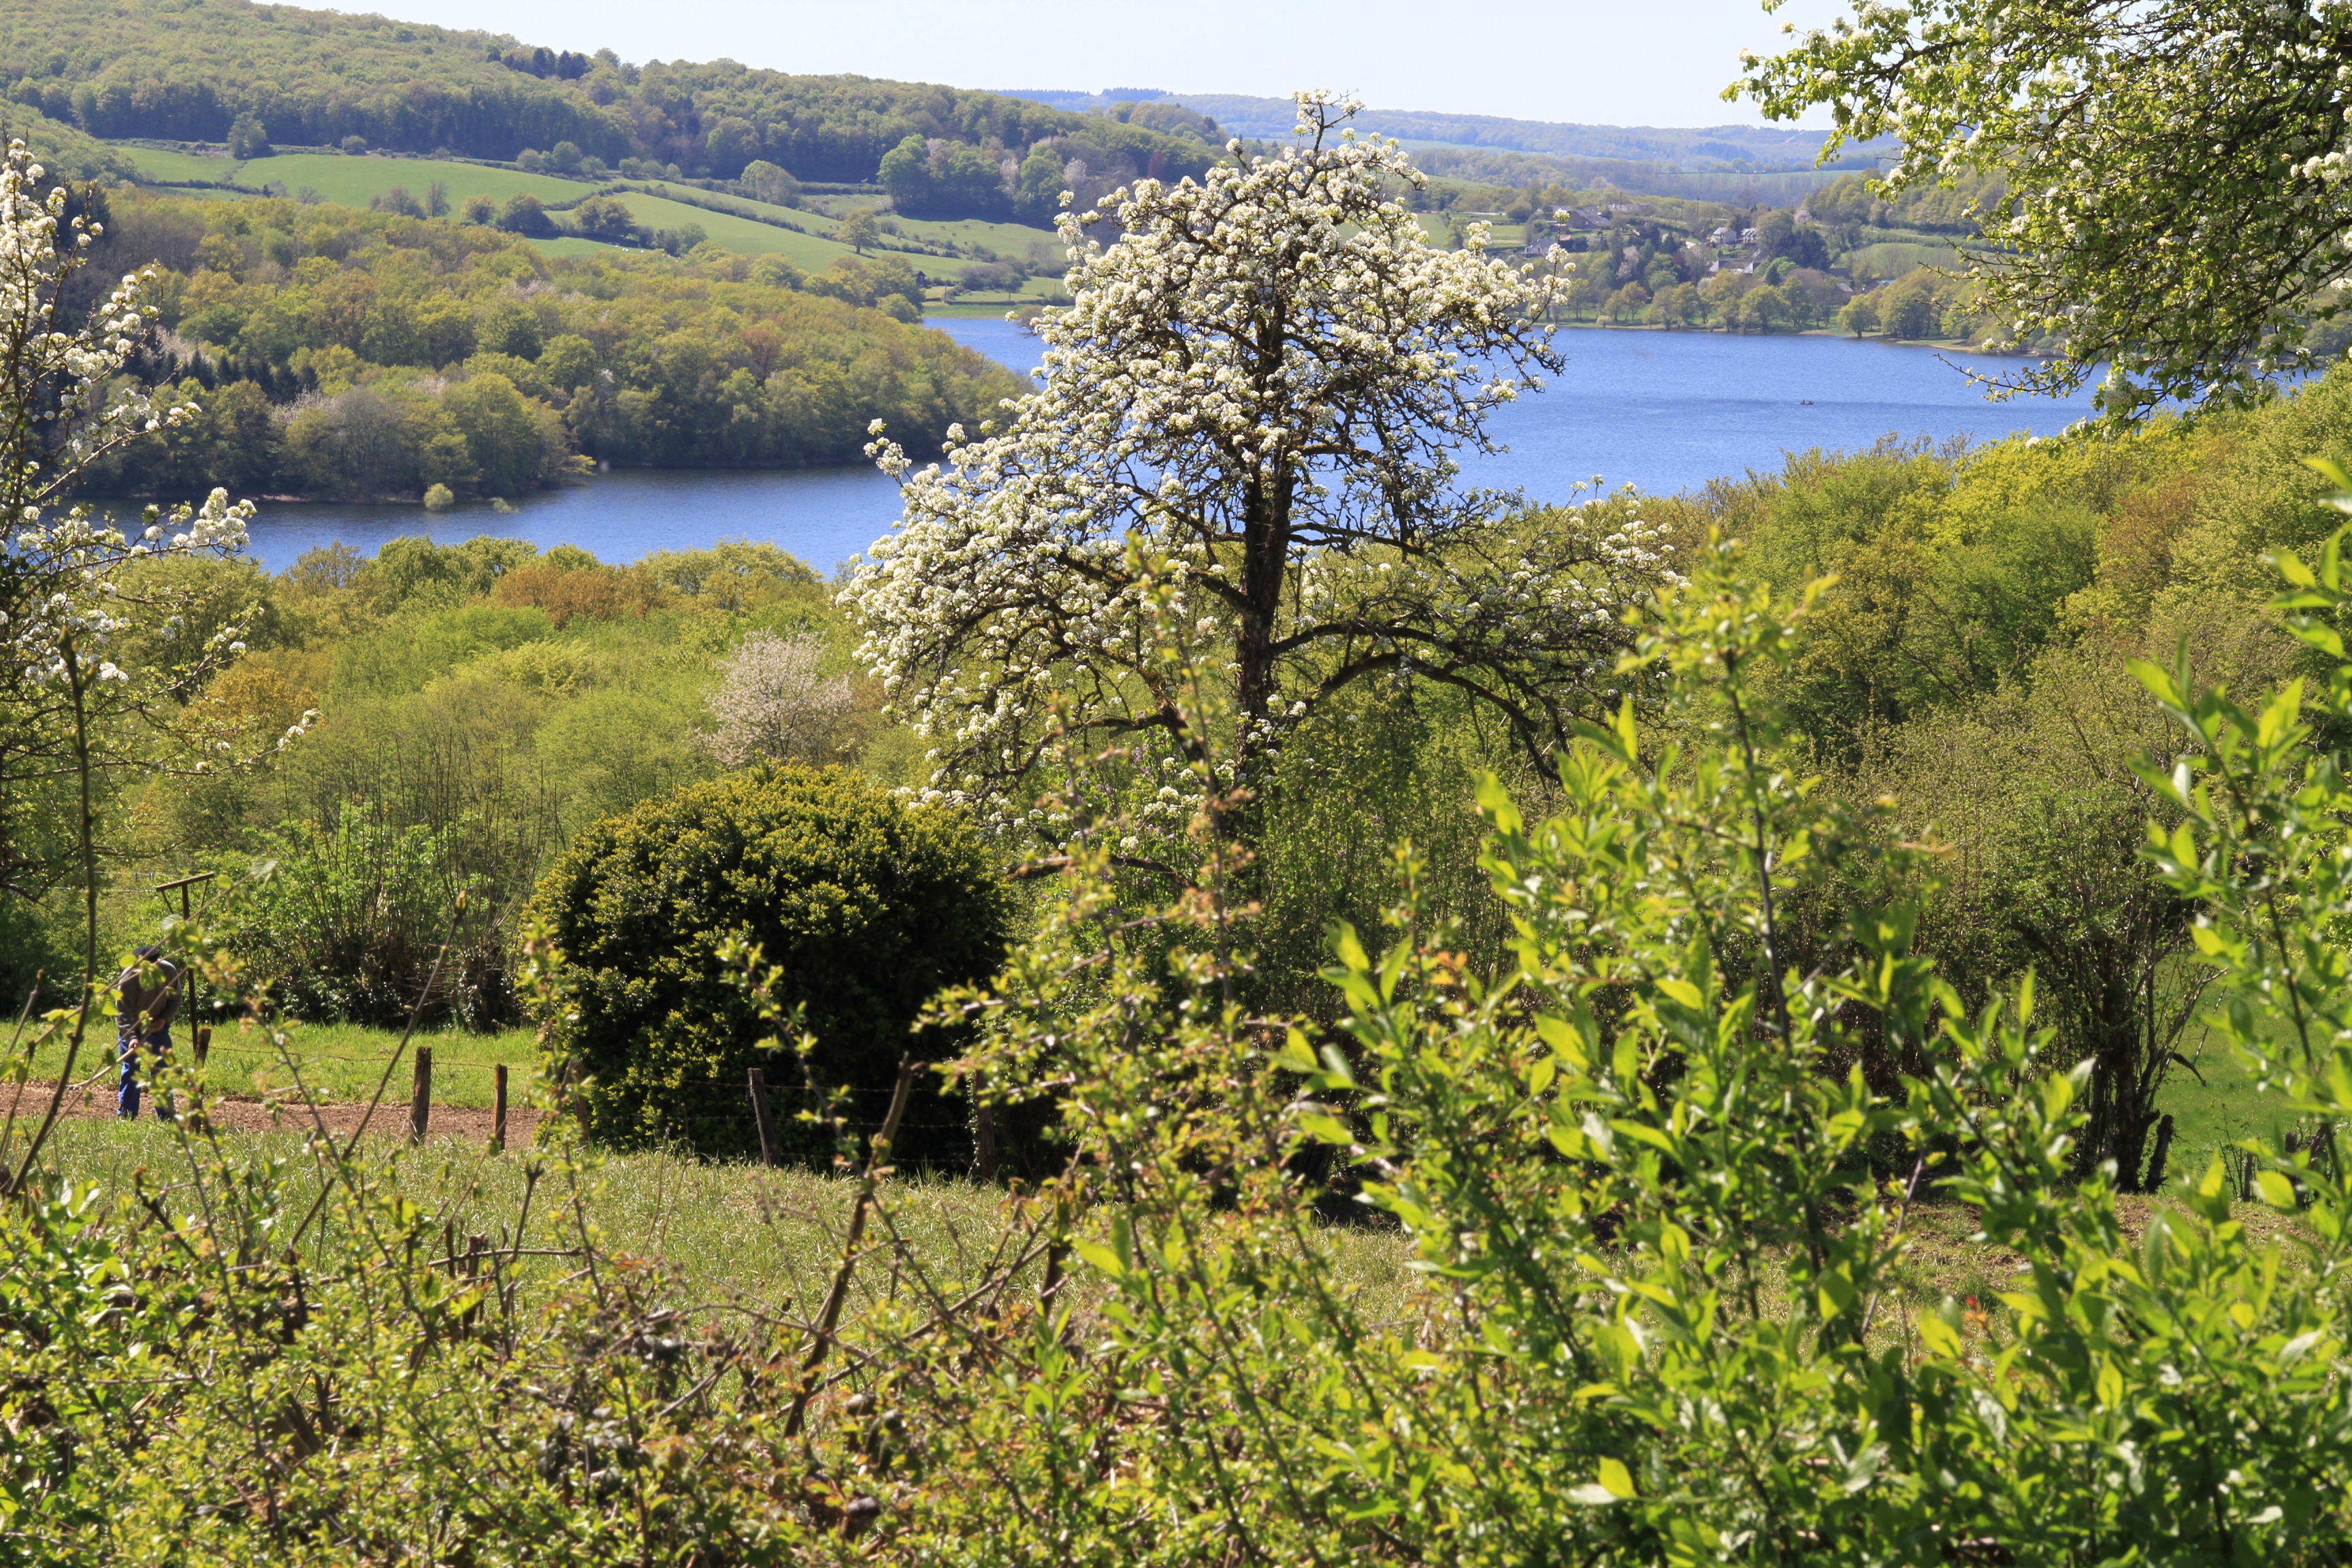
(100, 654)
(1250, 412)
(2175, 206)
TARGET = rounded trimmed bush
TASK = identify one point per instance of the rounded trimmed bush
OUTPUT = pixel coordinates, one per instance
(869, 905)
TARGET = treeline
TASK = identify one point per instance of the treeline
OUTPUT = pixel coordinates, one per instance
(356, 354)
(476, 706)
(319, 78)
(1484, 166)
(1969, 664)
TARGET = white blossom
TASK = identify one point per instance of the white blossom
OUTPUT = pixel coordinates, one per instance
(774, 700)
(78, 599)
(1246, 442)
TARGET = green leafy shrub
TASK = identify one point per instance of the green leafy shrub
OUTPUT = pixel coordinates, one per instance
(869, 905)
(349, 924)
(1668, 1317)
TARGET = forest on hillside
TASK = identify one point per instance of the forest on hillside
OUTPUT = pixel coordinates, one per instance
(208, 70)
(358, 354)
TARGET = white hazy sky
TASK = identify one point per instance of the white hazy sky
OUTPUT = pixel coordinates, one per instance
(1609, 62)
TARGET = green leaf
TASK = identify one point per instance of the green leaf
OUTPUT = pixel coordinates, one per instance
(1295, 1057)
(1837, 1292)
(1684, 992)
(1616, 1478)
(1943, 1341)
(2276, 1189)
(1100, 1258)
(1325, 1128)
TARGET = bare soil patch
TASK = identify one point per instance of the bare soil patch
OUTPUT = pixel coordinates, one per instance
(94, 1100)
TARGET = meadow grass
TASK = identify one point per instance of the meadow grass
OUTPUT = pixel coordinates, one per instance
(156, 163)
(809, 243)
(734, 1234)
(338, 1062)
(338, 177)
(810, 252)
(720, 1232)
(2216, 1103)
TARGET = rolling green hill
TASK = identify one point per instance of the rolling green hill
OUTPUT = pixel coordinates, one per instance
(942, 248)
(356, 181)
(223, 71)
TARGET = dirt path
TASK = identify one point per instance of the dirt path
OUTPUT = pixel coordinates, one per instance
(95, 1101)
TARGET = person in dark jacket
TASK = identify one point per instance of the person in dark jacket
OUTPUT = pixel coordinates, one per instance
(150, 992)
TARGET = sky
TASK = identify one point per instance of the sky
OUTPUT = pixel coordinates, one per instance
(1599, 62)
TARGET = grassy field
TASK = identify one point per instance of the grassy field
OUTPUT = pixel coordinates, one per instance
(1892, 259)
(994, 306)
(338, 1062)
(156, 163)
(2216, 1105)
(742, 235)
(723, 1231)
(352, 181)
(735, 1232)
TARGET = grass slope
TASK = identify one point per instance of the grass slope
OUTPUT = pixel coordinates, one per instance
(807, 240)
(742, 235)
(161, 164)
(353, 181)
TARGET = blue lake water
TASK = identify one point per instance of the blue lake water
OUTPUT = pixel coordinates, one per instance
(1663, 411)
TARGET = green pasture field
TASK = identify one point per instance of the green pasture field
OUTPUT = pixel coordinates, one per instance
(722, 1230)
(2216, 1104)
(156, 163)
(1013, 241)
(352, 181)
(1892, 258)
(1036, 291)
(339, 1063)
(741, 235)
(823, 217)
(809, 243)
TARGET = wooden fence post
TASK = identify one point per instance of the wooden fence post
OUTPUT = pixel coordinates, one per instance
(204, 1043)
(498, 1109)
(420, 1102)
(769, 1153)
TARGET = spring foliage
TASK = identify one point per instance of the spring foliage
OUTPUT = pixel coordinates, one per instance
(1663, 1316)
(1665, 1319)
(1259, 388)
(340, 353)
(316, 79)
(2175, 196)
(866, 905)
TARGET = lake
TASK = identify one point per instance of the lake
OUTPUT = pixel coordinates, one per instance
(1663, 411)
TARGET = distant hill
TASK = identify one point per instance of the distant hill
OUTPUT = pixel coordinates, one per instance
(211, 70)
(1762, 149)
(1735, 184)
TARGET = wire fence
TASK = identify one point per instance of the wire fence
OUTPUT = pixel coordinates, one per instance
(710, 1116)
(717, 1116)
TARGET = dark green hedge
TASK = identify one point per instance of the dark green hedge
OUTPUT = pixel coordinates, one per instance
(868, 904)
